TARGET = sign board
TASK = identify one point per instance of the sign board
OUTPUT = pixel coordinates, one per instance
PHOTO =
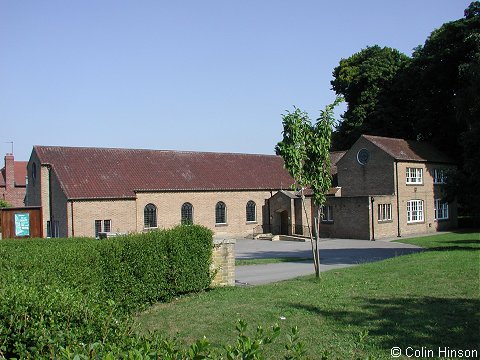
(22, 224)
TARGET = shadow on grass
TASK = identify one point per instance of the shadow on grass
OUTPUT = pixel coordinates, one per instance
(467, 244)
(430, 322)
(450, 248)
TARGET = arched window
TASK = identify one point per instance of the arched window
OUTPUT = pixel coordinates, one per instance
(251, 211)
(220, 213)
(150, 216)
(187, 214)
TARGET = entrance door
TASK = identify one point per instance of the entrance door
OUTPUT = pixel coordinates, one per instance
(284, 222)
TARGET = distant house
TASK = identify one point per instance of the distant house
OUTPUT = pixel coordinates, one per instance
(382, 187)
(13, 181)
(390, 187)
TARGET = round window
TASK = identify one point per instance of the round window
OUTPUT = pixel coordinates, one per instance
(363, 156)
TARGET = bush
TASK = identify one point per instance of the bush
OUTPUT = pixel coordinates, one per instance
(37, 321)
(133, 271)
(64, 293)
(139, 270)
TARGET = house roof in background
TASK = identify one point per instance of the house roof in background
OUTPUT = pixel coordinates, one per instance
(89, 173)
(408, 150)
(335, 156)
(20, 173)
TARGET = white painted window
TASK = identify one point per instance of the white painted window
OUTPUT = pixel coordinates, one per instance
(441, 209)
(384, 212)
(439, 176)
(415, 211)
(414, 175)
(102, 226)
(327, 213)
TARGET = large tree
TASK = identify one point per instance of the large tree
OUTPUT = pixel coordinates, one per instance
(360, 79)
(443, 83)
(434, 96)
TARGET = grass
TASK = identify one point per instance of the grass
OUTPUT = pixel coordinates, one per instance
(429, 299)
(244, 262)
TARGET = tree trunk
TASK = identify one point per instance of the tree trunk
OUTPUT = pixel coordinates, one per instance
(314, 253)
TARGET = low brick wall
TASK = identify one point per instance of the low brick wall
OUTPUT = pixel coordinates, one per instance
(223, 262)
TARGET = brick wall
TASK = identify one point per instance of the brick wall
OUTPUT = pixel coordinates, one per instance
(223, 262)
(351, 218)
(121, 213)
(427, 192)
(374, 178)
(169, 205)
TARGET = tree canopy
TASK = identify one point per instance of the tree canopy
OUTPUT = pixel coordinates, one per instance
(432, 96)
(360, 80)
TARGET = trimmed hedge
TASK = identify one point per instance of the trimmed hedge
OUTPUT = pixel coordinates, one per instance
(133, 271)
(61, 293)
(143, 269)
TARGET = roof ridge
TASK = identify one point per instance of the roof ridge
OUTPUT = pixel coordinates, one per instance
(153, 150)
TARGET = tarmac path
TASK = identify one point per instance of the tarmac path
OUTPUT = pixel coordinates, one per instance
(334, 253)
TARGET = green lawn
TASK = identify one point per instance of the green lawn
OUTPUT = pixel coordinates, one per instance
(429, 299)
(244, 262)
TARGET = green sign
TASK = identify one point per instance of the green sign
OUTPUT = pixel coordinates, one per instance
(22, 224)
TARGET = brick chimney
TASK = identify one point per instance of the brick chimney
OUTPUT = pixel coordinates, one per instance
(9, 172)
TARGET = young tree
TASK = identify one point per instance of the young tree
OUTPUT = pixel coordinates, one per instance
(305, 149)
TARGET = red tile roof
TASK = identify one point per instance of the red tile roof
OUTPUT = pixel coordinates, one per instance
(20, 173)
(335, 156)
(88, 173)
(407, 150)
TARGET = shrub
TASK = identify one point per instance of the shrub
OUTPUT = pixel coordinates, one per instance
(142, 269)
(64, 293)
(37, 321)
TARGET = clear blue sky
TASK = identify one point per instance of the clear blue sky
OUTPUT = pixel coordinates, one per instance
(184, 75)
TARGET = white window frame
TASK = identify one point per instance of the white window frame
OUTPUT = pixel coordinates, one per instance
(439, 176)
(414, 176)
(441, 209)
(102, 226)
(415, 213)
(384, 212)
(327, 214)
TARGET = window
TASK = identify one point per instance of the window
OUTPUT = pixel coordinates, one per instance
(327, 213)
(220, 213)
(187, 214)
(150, 216)
(102, 226)
(441, 209)
(251, 211)
(53, 231)
(414, 175)
(107, 225)
(384, 212)
(414, 211)
(439, 176)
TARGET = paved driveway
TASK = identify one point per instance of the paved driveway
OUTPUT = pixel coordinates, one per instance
(334, 253)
